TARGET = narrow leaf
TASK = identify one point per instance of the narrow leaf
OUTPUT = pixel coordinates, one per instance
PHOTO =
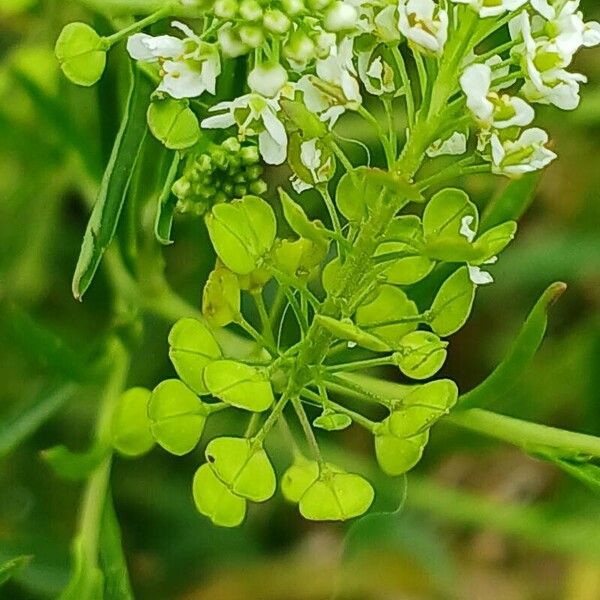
(103, 221)
(166, 205)
(11, 567)
(519, 356)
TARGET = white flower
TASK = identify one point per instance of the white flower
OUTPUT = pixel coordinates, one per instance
(490, 108)
(267, 79)
(526, 154)
(455, 145)
(189, 67)
(335, 88)
(376, 75)
(477, 275)
(253, 114)
(386, 24)
(492, 8)
(311, 158)
(424, 23)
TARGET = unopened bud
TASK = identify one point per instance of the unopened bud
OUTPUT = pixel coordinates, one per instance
(267, 79)
(340, 17)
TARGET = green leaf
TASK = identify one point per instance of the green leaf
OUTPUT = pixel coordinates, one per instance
(443, 214)
(166, 205)
(520, 354)
(103, 221)
(513, 202)
(239, 385)
(453, 303)
(16, 429)
(298, 478)
(87, 581)
(586, 472)
(336, 497)
(389, 316)
(12, 567)
(221, 298)
(74, 466)
(131, 434)
(173, 123)
(329, 420)
(242, 232)
(422, 354)
(81, 53)
(300, 223)
(114, 566)
(355, 194)
(192, 347)
(304, 120)
(177, 417)
(214, 500)
(330, 277)
(243, 467)
(397, 456)
(347, 330)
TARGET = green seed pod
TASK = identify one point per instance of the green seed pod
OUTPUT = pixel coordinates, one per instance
(81, 53)
(173, 123)
(422, 354)
(131, 433)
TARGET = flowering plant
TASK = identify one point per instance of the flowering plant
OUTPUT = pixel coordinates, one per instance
(295, 310)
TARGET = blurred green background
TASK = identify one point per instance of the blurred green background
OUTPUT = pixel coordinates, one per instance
(481, 520)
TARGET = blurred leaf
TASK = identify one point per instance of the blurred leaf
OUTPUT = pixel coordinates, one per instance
(23, 424)
(103, 221)
(11, 567)
(74, 466)
(166, 205)
(86, 581)
(512, 203)
(116, 576)
(585, 471)
(519, 356)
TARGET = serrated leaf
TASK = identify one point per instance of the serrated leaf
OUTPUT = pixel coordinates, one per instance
(239, 385)
(177, 417)
(214, 500)
(453, 303)
(192, 347)
(131, 434)
(336, 497)
(243, 467)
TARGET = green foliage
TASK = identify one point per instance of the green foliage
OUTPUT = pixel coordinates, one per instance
(12, 567)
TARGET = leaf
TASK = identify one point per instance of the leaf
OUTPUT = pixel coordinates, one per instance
(173, 123)
(166, 205)
(81, 53)
(192, 347)
(242, 232)
(355, 193)
(214, 500)
(520, 354)
(15, 430)
(114, 566)
(74, 466)
(131, 434)
(389, 316)
(177, 417)
(422, 354)
(512, 203)
(103, 221)
(239, 385)
(586, 472)
(336, 497)
(87, 581)
(453, 303)
(243, 467)
(13, 567)
(221, 298)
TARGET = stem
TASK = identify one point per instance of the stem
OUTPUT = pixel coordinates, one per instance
(390, 155)
(258, 338)
(361, 364)
(308, 432)
(267, 330)
(333, 214)
(138, 25)
(120, 8)
(408, 92)
(526, 435)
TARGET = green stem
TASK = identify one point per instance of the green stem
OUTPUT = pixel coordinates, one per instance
(121, 8)
(408, 92)
(115, 38)
(390, 155)
(331, 209)
(361, 364)
(267, 330)
(526, 435)
(308, 432)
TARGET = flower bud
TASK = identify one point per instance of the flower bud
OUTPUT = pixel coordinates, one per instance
(276, 21)
(319, 4)
(340, 17)
(293, 7)
(226, 9)
(249, 155)
(251, 10)
(299, 48)
(267, 79)
(251, 35)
